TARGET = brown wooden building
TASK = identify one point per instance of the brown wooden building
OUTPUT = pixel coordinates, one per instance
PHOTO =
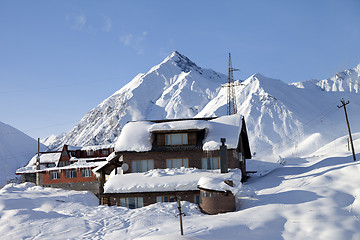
(70, 168)
(167, 144)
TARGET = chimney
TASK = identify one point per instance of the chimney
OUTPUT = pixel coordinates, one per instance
(223, 156)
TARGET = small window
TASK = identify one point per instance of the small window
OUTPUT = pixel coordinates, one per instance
(105, 152)
(86, 172)
(165, 199)
(197, 199)
(176, 139)
(132, 202)
(54, 175)
(64, 163)
(90, 152)
(211, 163)
(138, 166)
(177, 163)
(50, 165)
(71, 174)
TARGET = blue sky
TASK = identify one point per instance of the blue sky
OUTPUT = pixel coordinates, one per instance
(59, 59)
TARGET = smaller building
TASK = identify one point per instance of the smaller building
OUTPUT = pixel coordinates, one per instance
(218, 192)
(165, 185)
(70, 168)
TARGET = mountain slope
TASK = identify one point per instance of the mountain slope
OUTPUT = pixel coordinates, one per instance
(285, 120)
(16, 149)
(346, 81)
(176, 88)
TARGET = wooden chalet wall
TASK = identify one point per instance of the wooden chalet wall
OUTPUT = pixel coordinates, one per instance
(113, 199)
(194, 158)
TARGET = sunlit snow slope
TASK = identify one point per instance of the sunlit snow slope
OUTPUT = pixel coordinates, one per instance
(314, 197)
(285, 120)
(176, 88)
(16, 149)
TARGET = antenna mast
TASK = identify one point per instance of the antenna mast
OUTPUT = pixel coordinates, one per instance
(231, 97)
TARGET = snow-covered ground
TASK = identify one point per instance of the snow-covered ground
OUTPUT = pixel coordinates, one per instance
(308, 197)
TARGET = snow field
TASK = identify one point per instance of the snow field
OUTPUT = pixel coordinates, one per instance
(314, 197)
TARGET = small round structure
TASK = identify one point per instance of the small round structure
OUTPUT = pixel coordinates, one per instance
(214, 202)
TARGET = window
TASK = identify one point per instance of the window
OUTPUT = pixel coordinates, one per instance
(197, 199)
(142, 165)
(132, 202)
(165, 199)
(105, 152)
(211, 163)
(64, 163)
(51, 165)
(177, 163)
(176, 139)
(71, 174)
(54, 175)
(86, 172)
(90, 152)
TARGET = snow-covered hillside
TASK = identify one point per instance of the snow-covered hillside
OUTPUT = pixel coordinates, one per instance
(286, 120)
(176, 88)
(16, 149)
(314, 197)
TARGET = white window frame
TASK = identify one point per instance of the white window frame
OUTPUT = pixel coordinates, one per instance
(206, 160)
(125, 202)
(86, 172)
(72, 174)
(54, 175)
(169, 141)
(165, 198)
(170, 162)
(135, 163)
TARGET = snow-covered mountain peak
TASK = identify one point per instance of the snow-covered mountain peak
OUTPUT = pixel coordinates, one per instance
(184, 63)
(345, 81)
(175, 88)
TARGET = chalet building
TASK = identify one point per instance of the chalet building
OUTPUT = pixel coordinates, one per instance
(144, 146)
(70, 168)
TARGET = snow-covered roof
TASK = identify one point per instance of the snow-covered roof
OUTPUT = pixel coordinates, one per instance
(73, 148)
(86, 148)
(79, 164)
(45, 158)
(183, 179)
(135, 136)
(216, 182)
(89, 159)
(96, 147)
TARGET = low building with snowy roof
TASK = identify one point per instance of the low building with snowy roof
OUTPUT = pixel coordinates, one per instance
(70, 168)
(173, 144)
(165, 185)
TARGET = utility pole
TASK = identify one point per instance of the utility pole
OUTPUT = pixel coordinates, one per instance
(348, 125)
(180, 215)
(38, 164)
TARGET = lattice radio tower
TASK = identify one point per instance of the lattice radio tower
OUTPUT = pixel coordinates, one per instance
(231, 97)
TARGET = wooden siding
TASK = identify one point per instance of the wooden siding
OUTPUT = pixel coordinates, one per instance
(194, 158)
(113, 199)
